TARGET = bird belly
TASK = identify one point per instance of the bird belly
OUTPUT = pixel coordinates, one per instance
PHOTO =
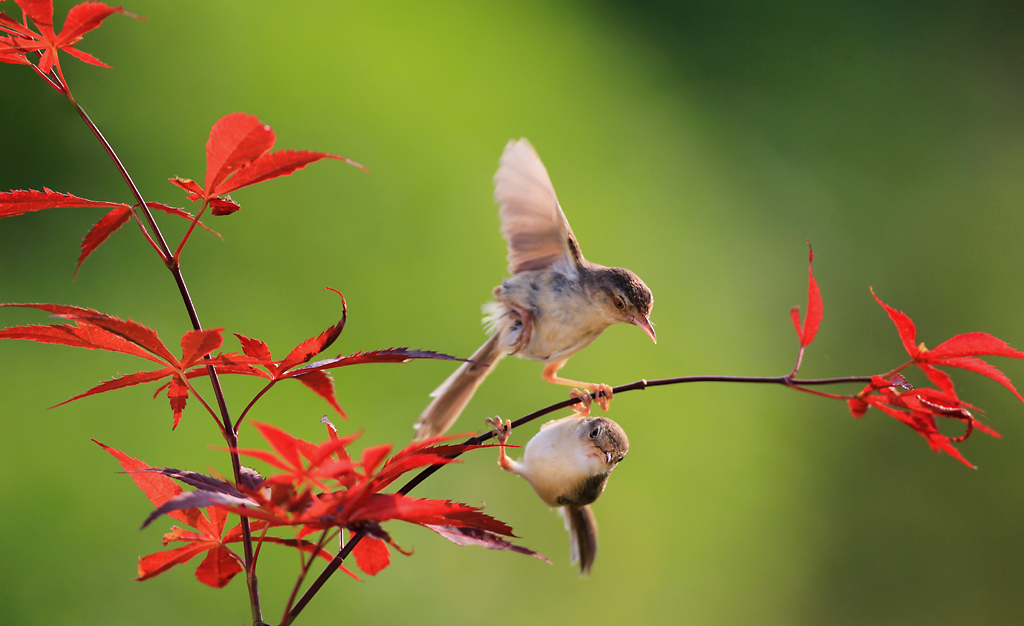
(558, 463)
(561, 318)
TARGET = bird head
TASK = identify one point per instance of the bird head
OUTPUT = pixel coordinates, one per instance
(628, 299)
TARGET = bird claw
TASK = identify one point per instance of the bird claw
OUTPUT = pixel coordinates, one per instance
(600, 391)
(525, 320)
(501, 431)
(604, 397)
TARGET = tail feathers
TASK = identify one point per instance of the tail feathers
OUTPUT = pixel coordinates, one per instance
(582, 527)
(455, 393)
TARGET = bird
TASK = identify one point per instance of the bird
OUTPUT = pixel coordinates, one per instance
(554, 304)
(568, 463)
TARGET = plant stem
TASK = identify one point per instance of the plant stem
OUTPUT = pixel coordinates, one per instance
(160, 245)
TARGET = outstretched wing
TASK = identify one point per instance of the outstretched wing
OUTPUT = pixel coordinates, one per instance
(532, 222)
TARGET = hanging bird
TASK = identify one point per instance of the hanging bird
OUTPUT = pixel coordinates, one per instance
(555, 303)
(568, 463)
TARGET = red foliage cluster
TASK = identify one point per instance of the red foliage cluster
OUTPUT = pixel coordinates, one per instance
(98, 331)
(21, 40)
(921, 407)
(320, 488)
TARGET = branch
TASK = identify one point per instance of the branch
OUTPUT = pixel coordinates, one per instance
(160, 245)
(787, 381)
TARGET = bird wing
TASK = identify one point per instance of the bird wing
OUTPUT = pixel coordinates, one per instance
(532, 222)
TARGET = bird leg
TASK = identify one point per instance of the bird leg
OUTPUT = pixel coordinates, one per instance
(602, 391)
(501, 435)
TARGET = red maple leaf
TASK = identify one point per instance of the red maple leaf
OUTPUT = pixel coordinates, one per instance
(19, 202)
(238, 155)
(321, 487)
(221, 563)
(960, 351)
(921, 408)
(815, 310)
(315, 375)
(93, 330)
(22, 40)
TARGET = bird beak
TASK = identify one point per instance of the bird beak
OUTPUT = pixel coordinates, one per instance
(646, 325)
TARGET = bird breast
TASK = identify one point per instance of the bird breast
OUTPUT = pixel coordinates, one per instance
(563, 314)
(558, 463)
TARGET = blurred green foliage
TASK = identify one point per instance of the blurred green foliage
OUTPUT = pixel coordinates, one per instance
(699, 144)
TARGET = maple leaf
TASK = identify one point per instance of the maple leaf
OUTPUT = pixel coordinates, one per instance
(371, 554)
(315, 376)
(921, 408)
(93, 330)
(221, 563)
(321, 487)
(960, 351)
(238, 155)
(19, 202)
(81, 19)
(815, 310)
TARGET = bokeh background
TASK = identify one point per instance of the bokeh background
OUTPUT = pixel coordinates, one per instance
(700, 144)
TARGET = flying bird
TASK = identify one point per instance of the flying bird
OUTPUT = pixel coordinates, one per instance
(554, 303)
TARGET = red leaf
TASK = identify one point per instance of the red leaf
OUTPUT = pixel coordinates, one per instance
(389, 355)
(10, 54)
(157, 487)
(904, 325)
(815, 310)
(128, 380)
(372, 555)
(20, 201)
(81, 19)
(475, 537)
(160, 562)
(383, 507)
(195, 192)
(85, 17)
(235, 140)
(314, 346)
(218, 568)
(177, 393)
(285, 445)
(972, 344)
(254, 348)
(77, 336)
(322, 385)
(134, 332)
(117, 218)
(196, 344)
(272, 165)
(101, 230)
(981, 367)
(373, 455)
(127, 329)
(223, 206)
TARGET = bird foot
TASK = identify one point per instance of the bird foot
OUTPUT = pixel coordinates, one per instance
(501, 431)
(525, 320)
(584, 399)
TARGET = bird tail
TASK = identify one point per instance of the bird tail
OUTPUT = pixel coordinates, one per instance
(455, 393)
(582, 527)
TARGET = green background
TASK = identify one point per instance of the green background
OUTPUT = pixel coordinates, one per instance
(700, 144)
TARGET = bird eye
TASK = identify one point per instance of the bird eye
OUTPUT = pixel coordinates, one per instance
(619, 302)
(594, 433)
